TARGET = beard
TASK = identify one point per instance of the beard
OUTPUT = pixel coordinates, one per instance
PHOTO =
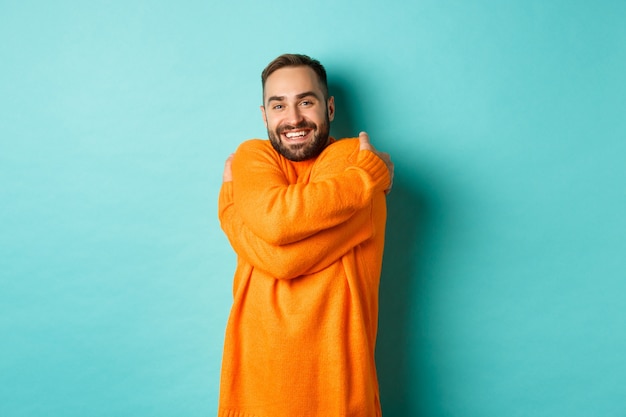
(301, 151)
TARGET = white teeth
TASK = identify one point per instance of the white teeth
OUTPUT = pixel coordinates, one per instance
(295, 134)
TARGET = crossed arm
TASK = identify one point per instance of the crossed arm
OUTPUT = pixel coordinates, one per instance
(289, 230)
(294, 259)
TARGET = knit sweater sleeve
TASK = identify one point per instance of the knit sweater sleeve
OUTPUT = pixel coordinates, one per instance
(280, 212)
(295, 259)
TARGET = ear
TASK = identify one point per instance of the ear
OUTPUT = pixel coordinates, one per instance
(330, 106)
(264, 115)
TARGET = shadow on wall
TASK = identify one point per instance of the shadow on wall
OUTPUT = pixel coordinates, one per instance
(407, 216)
(343, 126)
(407, 221)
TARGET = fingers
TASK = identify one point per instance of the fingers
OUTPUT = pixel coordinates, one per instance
(228, 171)
(364, 142)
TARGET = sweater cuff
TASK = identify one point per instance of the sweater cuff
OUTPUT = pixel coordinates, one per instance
(376, 168)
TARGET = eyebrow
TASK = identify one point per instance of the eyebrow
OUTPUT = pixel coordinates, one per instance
(299, 96)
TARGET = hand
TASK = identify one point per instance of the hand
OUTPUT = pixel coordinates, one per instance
(364, 141)
(228, 171)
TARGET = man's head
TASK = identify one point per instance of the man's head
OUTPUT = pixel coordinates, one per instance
(296, 109)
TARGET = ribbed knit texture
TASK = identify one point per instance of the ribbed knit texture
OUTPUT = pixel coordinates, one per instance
(309, 238)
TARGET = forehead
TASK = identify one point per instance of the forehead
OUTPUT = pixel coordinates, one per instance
(291, 81)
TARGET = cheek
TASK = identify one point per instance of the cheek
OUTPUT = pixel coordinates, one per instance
(269, 123)
(273, 126)
(325, 114)
(322, 118)
(317, 117)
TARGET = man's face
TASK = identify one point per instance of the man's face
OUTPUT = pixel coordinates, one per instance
(296, 114)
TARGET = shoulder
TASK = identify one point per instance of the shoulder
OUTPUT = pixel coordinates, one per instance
(345, 144)
(252, 145)
(255, 149)
(342, 148)
(336, 157)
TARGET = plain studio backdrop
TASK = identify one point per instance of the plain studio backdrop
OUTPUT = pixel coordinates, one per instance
(505, 270)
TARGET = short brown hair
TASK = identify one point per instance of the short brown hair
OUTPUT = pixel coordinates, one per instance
(296, 60)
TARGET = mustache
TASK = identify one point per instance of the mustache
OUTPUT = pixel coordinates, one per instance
(305, 124)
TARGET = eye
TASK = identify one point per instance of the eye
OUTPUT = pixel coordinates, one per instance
(306, 103)
(277, 107)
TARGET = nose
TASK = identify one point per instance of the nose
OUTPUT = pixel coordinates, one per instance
(294, 116)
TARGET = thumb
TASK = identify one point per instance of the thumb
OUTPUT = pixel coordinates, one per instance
(228, 170)
(364, 141)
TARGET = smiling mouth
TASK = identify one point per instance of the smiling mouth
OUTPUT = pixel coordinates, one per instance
(296, 135)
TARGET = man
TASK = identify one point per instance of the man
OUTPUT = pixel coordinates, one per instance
(306, 216)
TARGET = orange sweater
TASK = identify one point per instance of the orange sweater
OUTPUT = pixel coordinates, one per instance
(309, 238)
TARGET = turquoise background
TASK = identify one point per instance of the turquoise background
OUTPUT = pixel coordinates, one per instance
(505, 276)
